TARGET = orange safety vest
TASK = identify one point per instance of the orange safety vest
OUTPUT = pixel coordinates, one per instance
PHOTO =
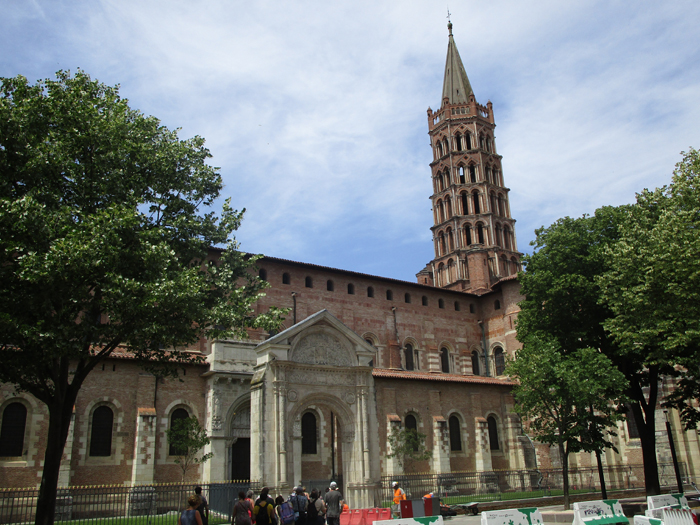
(399, 494)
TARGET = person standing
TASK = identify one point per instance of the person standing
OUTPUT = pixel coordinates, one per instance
(190, 516)
(242, 511)
(316, 513)
(300, 505)
(334, 502)
(263, 511)
(399, 495)
(203, 508)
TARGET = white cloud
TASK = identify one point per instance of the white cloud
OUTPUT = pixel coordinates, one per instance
(315, 112)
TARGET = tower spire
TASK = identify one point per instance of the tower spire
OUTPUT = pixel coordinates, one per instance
(456, 87)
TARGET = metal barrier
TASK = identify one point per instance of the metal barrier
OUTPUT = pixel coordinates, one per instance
(464, 487)
(107, 504)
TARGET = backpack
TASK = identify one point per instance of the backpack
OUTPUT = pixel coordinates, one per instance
(286, 513)
(262, 518)
(298, 504)
(312, 512)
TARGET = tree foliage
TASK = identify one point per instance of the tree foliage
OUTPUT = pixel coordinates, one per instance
(408, 446)
(564, 304)
(105, 230)
(569, 398)
(652, 284)
(188, 438)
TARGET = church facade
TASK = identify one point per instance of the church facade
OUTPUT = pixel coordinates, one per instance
(360, 356)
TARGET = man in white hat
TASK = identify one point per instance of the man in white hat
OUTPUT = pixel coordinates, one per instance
(334, 502)
(399, 495)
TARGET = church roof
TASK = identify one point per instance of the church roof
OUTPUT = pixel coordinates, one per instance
(392, 373)
(456, 87)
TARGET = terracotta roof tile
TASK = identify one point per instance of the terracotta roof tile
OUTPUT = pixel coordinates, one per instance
(431, 376)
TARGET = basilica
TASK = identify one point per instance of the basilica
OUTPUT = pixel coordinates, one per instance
(358, 357)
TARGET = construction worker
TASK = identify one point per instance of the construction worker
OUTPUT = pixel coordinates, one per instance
(399, 495)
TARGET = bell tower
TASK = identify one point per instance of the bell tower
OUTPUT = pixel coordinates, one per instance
(473, 231)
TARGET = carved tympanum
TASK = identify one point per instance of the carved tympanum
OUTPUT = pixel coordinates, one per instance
(321, 349)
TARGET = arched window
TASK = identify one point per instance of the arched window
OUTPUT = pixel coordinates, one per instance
(101, 435)
(439, 149)
(308, 433)
(14, 423)
(285, 278)
(448, 208)
(468, 136)
(445, 146)
(462, 175)
(457, 307)
(407, 298)
(410, 422)
(408, 355)
(477, 207)
(329, 285)
(458, 142)
(451, 273)
(351, 289)
(480, 233)
(507, 244)
(455, 434)
(424, 300)
(465, 204)
(441, 303)
(494, 206)
(446, 175)
(493, 433)
(468, 234)
(178, 414)
(445, 360)
(472, 173)
(475, 363)
(370, 291)
(481, 142)
(632, 429)
(499, 235)
(443, 245)
(497, 305)
(499, 359)
(262, 273)
(389, 295)
(308, 282)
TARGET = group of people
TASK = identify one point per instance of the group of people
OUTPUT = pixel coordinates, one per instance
(197, 512)
(300, 508)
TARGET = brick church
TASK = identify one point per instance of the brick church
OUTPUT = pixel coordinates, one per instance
(359, 356)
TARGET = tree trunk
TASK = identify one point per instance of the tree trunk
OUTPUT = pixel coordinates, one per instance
(601, 475)
(643, 411)
(565, 474)
(60, 412)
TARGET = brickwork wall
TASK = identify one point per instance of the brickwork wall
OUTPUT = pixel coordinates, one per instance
(427, 327)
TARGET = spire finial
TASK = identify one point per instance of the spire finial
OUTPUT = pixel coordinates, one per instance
(449, 21)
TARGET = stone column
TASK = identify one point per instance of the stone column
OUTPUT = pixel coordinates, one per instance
(142, 468)
(482, 449)
(365, 435)
(296, 450)
(441, 446)
(281, 434)
(392, 464)
(516, 455)
(66, 460)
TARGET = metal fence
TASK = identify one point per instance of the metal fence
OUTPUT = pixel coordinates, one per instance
(158, 504)
(464, 487)
(161, 504)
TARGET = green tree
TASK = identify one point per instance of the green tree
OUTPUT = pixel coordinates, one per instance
(564, 302)
(408, 446)
(104, 244)
(566, 397)
(188, 438)
(652, 284)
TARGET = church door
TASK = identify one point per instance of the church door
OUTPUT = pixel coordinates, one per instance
(240, 459)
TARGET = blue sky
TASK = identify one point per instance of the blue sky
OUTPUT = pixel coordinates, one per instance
(316, 111)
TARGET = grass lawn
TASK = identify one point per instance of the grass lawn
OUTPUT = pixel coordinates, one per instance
(158, 519)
